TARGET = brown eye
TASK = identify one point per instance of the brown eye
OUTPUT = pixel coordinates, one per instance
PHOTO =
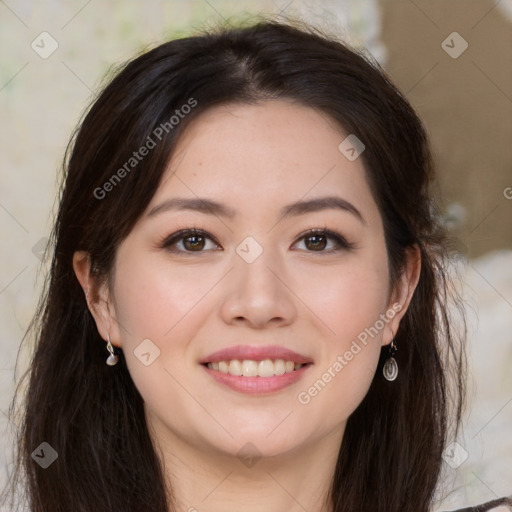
(324, 241)
(193, 243)
(316, 242)
(188, 241)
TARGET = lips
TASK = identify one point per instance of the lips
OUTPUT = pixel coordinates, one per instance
(256, 353)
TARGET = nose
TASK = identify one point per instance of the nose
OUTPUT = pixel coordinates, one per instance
(260, 294)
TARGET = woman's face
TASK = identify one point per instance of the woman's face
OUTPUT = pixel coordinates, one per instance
(255, 278)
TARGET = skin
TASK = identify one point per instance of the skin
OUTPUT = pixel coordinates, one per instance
(254, 159)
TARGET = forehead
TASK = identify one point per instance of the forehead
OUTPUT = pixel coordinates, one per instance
(264, 155)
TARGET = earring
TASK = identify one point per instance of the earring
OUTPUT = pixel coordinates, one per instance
(112, 359)
(390, 369)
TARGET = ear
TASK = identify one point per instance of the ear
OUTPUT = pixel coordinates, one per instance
(98, 298)
(402, 293)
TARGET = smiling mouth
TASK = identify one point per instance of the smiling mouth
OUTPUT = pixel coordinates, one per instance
(252, 368)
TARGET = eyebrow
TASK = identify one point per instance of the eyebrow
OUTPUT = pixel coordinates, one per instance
(208, 206)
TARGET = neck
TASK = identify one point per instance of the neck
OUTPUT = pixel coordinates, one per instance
(202, 478)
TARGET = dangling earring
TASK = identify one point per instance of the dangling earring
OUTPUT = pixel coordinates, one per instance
(390, 369)
(112, 359)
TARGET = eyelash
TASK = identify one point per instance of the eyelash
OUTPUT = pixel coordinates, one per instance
(341, 241)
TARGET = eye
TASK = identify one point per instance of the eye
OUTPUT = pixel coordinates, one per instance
(316, 240)
(189, 240)
(186, 241)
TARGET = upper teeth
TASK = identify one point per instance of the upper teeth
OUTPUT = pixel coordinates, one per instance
(250, 368)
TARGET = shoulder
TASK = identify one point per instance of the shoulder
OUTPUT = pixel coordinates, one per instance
(499, 505)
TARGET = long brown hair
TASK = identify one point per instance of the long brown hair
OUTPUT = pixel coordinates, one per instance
(92, 415)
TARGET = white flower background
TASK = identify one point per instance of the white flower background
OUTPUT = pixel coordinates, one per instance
(41, 101)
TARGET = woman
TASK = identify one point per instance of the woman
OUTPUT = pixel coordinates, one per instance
(248, 303)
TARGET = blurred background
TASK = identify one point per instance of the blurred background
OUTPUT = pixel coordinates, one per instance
(452, 59)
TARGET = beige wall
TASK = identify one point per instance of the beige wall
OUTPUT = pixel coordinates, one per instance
(466, 103)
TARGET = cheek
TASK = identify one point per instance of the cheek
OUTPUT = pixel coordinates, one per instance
(347, 298)
(156, 302)
(154, 299)
(350, 356)
(349, 305)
